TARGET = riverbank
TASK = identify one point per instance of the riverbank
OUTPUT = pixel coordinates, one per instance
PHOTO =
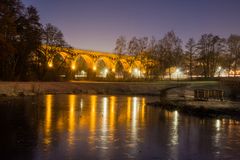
(91, 87)
(212, 108)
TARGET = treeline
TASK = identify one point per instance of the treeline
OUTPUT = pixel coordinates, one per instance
(28, 49)
(22, 40)
(200, 58)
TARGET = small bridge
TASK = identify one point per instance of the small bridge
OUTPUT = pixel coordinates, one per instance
(165, 90)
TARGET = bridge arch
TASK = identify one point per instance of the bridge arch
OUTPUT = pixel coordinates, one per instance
(57, 59)
(103, 66)
(121, 68)
(82, 64)
(137, 69)
(123, 62)
(84, 59)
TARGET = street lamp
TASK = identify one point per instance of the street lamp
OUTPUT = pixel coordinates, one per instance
(219, 70)
(177, 72)
(50, 65)
(106, 70)
(94, 68)
(73, 67)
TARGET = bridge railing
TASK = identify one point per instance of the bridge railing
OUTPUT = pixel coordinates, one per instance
(206, 94)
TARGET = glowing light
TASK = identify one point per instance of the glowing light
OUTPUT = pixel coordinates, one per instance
(221, 72)
(106, 70)
(48, 119)
(48, 111)
(178, 74)
(134, 130)
(93, 105)
(143, 108)
(177, 70)
(50, 65)
(135, 103)
(94, 68)
(112, 113)
(130, 71)
(218, 124)
(104, 120)
(73, 67)
(113, 70)
(129, 99)
(81, 104)
(136, 72)
(105, 104)
(174, 139)
(71, 120)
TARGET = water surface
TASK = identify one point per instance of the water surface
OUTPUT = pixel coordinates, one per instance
(110, 127)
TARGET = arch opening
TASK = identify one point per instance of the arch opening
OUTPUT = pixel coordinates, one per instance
(121, 68)
(137, 70)
(103, 67)
(82, 66)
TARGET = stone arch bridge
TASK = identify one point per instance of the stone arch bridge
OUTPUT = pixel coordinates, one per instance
(84, 62)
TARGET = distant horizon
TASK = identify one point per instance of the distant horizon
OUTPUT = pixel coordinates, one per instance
(94, 25)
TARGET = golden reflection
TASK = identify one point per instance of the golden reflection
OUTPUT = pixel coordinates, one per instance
(175, 128)
(112, 112)
(81, 104)
(129, 99)
(71, 122)
(93, 104)
(143, 109)
(105, 105)
(104, 121)
(93, 113)
(174, 135)
(48, 119)
(60, 124)
(104, 115)
(230, 127)
(218, 133)
(135, 106)
(218, 124)
(134, 112)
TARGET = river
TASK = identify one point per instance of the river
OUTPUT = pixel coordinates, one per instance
(56, 127)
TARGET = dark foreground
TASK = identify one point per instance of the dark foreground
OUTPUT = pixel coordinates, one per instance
(57, 127)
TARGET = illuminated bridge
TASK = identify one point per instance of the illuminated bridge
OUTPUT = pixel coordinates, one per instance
(85, 62)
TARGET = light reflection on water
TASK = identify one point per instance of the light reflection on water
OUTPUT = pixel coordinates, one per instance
(48, 120)
(117, 127)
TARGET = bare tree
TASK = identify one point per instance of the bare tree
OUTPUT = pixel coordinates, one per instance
(210, 48)
(190, 52)
(120, 46)
(53, 44)
(234, 51)
(171, 48)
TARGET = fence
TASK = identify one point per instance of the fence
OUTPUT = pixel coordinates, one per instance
(206, 94)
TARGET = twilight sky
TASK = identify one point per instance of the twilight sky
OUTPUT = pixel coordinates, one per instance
(95, 24)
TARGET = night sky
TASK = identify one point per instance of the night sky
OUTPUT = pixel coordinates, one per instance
(95, 24)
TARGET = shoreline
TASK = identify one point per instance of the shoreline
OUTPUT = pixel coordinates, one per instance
(202, 109)
(93, 87)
